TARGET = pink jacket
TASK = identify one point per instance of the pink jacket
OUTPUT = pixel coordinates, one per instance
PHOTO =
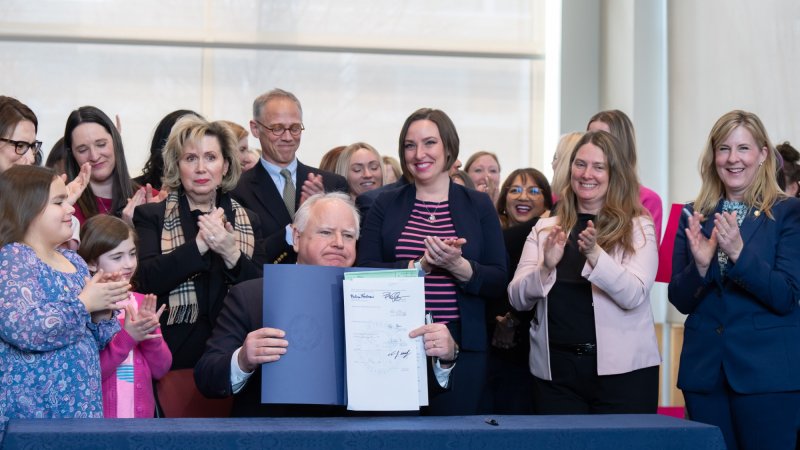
(652, 203)
(626, 338)
(151, 360)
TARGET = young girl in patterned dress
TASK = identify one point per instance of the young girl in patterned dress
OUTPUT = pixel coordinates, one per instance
(137, 354)
(53, 318)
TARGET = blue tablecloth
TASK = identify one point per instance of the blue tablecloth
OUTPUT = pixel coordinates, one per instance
(531, 432)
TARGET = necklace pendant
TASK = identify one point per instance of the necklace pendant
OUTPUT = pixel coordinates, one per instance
(431, 218)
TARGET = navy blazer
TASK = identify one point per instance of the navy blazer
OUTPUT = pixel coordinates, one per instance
(257, 192)
(474, 219)
(748, 323)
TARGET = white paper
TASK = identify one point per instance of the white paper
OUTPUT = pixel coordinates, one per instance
(386, 369)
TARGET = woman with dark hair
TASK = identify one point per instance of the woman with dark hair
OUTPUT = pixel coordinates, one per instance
(154, 167)
(524, 198)
(734, 272)
(92, 137)
(452, 234)
(18, 127)
(198, 241)
(790, 170)
(525, 195)
(18, 146)
(587, 273)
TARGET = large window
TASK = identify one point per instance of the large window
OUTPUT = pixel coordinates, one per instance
(359, 67)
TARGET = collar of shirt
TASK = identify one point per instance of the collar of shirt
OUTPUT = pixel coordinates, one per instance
(274, 172)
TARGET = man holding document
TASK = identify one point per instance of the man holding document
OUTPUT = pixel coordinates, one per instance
(326, 228)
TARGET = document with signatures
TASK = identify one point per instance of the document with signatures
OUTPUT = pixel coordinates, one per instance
(386, 370)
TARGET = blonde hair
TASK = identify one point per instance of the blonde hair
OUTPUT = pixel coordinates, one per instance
(562, 163)
(764, 191)
(343, 162)
(614, 221)
(238, 130)
(191, 130)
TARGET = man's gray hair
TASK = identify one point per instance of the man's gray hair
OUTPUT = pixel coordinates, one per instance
(263, 99)
(304, 213)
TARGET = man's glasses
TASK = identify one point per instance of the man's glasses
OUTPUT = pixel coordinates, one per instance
(294, 129)
(516, 191)
(22, 147)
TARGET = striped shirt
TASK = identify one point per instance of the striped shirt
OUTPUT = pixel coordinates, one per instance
(431, 219)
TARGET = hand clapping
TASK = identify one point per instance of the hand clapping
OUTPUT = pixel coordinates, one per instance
(587, 243)
(554, 248)
(216, 234)
(702, 248)
(142, 324)
(726, 230)
(443, 253)
(103, 291)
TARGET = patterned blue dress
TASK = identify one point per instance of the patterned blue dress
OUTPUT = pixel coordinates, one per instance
(49, 346)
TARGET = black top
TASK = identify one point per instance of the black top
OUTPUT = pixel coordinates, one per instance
(161, 273)
(570, 313)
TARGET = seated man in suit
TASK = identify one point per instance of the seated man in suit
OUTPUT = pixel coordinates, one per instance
(325, 231)
(276, 187)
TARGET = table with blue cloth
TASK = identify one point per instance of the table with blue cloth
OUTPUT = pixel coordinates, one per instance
(496, 432)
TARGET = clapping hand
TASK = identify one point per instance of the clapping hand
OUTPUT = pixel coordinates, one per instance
(218, 236)
(587, 243)
(726, 229)
(76, 187)
(142, 324)
(443, 253)
(313, 185)
(702, 248)
(103, 291)
(554, 248)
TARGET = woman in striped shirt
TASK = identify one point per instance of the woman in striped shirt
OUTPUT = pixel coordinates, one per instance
(453, 235)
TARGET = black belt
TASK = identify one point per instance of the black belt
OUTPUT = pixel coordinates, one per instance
(576, 349)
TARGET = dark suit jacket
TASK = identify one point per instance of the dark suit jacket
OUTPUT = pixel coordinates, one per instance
(475, 219)
(242, 314)
(747, 323)
(364, 201)
(257, 192)
(159, 273)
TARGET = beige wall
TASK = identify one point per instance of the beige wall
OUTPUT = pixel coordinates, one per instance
(724, 55)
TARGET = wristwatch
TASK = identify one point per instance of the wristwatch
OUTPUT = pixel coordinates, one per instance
(455, 357)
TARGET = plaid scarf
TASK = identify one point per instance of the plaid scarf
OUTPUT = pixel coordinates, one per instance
(183, 307)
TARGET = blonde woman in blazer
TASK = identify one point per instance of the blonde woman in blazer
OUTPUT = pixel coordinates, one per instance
(587, 273)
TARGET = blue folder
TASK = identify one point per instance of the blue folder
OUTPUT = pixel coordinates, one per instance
(306, 302)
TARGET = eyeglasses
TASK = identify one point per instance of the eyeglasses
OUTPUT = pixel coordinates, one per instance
(22, 147)
(516, 191)
(294, 129)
